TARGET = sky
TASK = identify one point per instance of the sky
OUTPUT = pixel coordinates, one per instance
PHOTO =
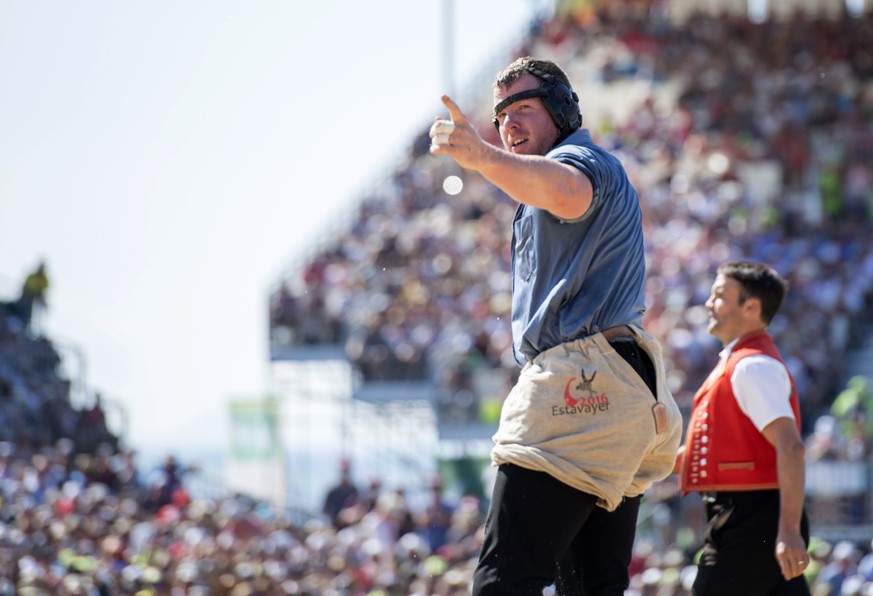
(170, 160)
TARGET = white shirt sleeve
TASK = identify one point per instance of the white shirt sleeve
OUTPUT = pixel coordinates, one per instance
(762, 389)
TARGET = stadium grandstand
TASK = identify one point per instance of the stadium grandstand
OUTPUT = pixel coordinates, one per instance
(748, 131)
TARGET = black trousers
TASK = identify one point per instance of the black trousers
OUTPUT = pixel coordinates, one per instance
(739, 548)
(541, 531)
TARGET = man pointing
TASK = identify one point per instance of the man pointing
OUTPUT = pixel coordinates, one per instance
(590, 423)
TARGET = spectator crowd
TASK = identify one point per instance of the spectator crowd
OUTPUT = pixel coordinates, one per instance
(766, 153)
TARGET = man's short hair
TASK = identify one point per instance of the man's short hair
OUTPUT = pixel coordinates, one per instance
(523, 66)
(758, 281)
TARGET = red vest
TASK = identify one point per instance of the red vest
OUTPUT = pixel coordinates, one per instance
(723, 449)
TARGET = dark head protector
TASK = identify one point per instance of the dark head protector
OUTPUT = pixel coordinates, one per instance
(560, 100)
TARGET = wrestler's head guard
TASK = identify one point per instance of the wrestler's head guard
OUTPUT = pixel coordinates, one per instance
(558, 97)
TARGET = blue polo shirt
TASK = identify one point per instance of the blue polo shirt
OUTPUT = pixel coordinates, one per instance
(574, 278)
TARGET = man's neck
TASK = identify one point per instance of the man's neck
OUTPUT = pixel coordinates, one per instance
(743, 336)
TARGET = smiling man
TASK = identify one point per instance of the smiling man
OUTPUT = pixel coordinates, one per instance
(743, 451)
(590, 424)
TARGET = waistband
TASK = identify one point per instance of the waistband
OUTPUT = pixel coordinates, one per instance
(736, 495)
(618, 332)
(610, 335)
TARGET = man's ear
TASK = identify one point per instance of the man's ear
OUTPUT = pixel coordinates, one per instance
(752, 308)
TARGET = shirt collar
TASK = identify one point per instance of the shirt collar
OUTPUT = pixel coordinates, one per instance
(581, 136)
(729, 347)
(726, 351)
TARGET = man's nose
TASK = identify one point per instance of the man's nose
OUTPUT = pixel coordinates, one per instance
(509, 121)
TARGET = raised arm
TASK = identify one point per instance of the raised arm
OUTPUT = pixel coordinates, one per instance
(533, 180)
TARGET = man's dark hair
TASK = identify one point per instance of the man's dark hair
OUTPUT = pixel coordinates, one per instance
(758, 281)
(523, 66)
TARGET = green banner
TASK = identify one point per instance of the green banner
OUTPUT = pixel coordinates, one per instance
(254, 425)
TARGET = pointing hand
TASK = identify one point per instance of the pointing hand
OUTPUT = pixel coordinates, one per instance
(456, 137)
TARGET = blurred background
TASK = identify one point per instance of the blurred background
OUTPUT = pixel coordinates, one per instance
(237, 291)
